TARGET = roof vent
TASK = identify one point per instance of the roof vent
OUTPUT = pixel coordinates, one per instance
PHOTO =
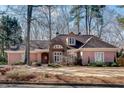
(79, 33)
(57, 33)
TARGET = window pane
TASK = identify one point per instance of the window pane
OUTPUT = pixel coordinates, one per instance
(71, 41)
(99, 56)
(58, 56)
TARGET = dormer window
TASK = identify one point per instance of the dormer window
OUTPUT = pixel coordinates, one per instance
(71, 41)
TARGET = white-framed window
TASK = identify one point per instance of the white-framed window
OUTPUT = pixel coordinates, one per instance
(71, 41)
(99, 56)
(58, 56)
(58, 46)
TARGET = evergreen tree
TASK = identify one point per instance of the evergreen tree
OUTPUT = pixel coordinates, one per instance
(10, 33)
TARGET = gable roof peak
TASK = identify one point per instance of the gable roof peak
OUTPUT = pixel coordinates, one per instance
(71, 33)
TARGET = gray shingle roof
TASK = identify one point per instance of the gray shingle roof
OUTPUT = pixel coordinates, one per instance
(36, 44)
(40, 44)
(95, 42)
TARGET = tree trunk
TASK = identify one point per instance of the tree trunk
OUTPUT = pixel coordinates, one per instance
(68, 26)
(3, 44)
(27, 55)
(86, 19)
(2, 48)
(78, 20)
(89, 23)
(78, 26)
(50, 31)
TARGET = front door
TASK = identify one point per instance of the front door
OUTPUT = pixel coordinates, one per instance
(45, 58)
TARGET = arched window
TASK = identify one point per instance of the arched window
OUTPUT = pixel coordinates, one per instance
(58, 46)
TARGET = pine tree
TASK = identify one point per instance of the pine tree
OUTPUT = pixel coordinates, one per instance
(10, 33)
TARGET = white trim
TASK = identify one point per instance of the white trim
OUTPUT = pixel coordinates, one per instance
(81, 53)
(32, 51)
(98, 49)
(86, 42)
(57, 46)
(99, 56)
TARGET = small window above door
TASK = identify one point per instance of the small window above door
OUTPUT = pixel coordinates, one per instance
(58, 46)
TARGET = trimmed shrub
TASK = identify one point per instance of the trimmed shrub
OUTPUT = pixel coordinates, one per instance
(55, 65)
(108, 64)
(37, 64)
(18, 63)
(79, 62)
(100, 64)
(97, 64)
(92, 64)
(71, 60)
(114, 64)
(104, 64)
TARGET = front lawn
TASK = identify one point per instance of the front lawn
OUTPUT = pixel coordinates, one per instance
(79, 74)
